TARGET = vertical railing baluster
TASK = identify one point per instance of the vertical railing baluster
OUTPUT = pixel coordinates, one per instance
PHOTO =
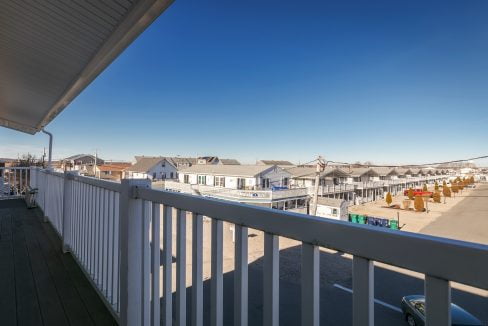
(108, 235)
(363, 291)
(437, 301)
(197, 270)
(167, 265)
(310, 285)
(132, 253)
(155, 261)
(146, 263)
(110, 249)
(271, 279)
(216, 284)
(116, 252)
(241, 276)
(180, 267)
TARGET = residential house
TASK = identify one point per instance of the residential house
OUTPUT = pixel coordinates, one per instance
(236, 176)
(385, 173)
(214, 160)
(158, 167)
(111, 171)
(360, 174)
(304, 176)
(336, 209)
(81, 162)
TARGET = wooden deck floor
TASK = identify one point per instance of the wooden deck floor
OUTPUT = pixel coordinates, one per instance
(39, 285)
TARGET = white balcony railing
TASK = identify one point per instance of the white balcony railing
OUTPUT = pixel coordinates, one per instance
(101, 221)
(13, 181)
(242, 195)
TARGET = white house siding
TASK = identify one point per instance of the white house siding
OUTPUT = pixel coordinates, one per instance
(275, 176)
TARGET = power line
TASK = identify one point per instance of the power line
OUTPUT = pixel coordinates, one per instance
(411, 165)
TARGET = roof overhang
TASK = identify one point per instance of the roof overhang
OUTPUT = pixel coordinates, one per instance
(51, 51)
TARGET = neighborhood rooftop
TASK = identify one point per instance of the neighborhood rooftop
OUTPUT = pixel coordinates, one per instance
(229, 170)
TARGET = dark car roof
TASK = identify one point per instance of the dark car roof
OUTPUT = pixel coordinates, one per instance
(459, 316)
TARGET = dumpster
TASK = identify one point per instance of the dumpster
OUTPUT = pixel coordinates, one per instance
(383, 222)
(394, 224)
(361, 219)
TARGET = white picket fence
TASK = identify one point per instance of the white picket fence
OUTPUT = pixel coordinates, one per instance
(114, 231)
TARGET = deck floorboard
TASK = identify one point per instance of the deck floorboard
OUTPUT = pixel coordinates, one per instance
(39, 284)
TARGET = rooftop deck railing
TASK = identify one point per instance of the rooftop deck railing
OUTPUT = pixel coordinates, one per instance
(13, 181)
(116, 232)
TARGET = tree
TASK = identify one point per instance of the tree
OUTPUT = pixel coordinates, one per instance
(437, 197)
(410, 194)
(424, 188)
(460, 186)
(436, 186)
(454, 188)
(388, 199)
(444, 183)
(446, 192)
(419, 204)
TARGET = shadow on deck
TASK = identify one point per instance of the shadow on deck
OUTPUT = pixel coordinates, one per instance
(39, 285)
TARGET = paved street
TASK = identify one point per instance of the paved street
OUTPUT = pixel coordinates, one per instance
(467, 221)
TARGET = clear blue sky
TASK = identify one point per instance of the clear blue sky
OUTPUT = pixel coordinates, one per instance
(384, 81)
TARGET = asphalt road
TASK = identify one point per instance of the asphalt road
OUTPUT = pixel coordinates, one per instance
(467, 221)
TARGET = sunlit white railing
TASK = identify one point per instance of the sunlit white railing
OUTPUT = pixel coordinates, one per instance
(103, 221)
(14, 181)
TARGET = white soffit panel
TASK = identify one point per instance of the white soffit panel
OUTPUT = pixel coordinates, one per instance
(50, 50)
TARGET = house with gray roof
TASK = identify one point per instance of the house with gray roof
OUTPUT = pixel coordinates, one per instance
(250, 177)
(274, 162)
(304, 176)
(158, 167)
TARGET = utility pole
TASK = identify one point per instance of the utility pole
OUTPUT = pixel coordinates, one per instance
(95, 166)
(319, 168)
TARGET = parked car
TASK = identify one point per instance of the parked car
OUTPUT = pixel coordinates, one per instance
(413, 307)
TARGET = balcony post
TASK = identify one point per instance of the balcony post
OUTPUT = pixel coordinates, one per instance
(67, 209)
(131, 232)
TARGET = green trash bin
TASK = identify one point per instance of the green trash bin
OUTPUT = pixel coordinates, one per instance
(394, 224)
(361, 219)
(353, 218)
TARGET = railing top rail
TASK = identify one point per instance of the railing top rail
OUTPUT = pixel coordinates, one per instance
(458, 261)
(106, 184)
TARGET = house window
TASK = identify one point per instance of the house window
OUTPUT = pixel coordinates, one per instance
(219, 181)
(241, 183)
(186, 178)
(265, 183)
(154, 175)
(202, 179)
(334, 211)
(285, 181)
(171, 175)
(163, 175)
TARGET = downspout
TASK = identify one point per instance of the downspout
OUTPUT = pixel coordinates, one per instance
(50, 146)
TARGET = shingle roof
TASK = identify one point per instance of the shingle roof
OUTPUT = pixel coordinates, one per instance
(308, 172)
(357, 172)
(229, 170)
(332, 202)
(229, 161)
(144, 164)
(383, 171)
(114, 167)
(274, 162)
